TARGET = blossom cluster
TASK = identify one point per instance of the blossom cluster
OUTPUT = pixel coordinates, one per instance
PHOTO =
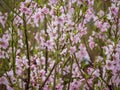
(60, 45)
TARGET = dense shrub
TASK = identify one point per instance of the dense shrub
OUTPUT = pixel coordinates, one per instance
(59, 45)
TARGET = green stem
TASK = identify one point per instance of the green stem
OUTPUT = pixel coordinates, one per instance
(46, 49)
(13, 54)
(28, 56)
(54, 84)
(71, 66)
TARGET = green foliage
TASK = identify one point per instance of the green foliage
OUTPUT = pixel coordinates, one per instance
(4, 66)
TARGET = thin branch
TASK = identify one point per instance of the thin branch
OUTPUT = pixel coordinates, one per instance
(83, 74)
(43, 84)
(46, 49)
(27, 48)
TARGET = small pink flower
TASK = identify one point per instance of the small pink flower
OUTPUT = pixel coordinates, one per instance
(72, 50)
(75, 39)
(53, 2)
(20, 42)
(23, 8)
(2, 55)
(45, 10)
(92, 45)
(78, 54)
(46, 87)
(3, 19)
(101, 13)
(90, 81)
(109, 65)
(49, 44)
(96, 73)
(4, 43)
(114, 10)
(59, 87)
(38, 16)
(64, 51)
(4, 81)
(42, 72)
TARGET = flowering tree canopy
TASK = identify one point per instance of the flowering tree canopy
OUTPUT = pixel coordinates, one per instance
(59, 44)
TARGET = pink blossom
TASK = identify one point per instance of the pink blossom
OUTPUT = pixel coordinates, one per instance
(4, 43)
(101, 13)
(38, 16)
(114, 9)
(20, 42)
(72, 50)
(49, 44)
(2, 54)
(109, 65)
(3, 19)
(75, 39)
(91, 42)
(64, 51)
(23, 8)
(53, 2)
(61, 34)
(75, 85)
(82, 30)
(96, 73)
(45, 10)
(46, 87)
(4, 81)
(91, 45)
(59, 87)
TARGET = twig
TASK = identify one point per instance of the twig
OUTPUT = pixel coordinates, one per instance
(40, 88)
(46, 49)
(28, 56)
(82, 73)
